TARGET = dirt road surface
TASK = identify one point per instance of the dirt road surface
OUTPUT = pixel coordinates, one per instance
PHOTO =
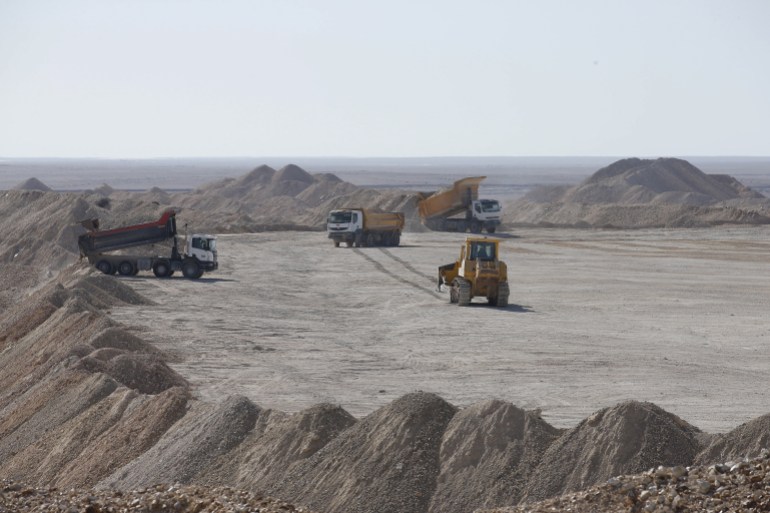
(675, 317)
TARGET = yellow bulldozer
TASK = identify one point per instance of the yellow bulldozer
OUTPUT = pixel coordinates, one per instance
(477, 273)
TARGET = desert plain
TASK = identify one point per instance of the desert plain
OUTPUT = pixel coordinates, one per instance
(673, 316)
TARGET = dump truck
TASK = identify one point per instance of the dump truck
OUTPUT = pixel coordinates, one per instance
(363, 227)
(105, 249)
(478, 272)
(459, 209)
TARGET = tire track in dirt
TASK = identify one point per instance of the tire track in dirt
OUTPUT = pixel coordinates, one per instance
(380, 267)
(408, 265)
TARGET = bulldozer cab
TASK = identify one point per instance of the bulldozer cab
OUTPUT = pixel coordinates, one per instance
(478, 272)
(478, 255)
(483, 250)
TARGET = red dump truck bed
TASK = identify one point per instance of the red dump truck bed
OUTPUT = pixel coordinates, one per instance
(96, 241)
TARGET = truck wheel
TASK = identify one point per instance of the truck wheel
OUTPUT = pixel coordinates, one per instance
(396, 239)
(104, 266)
(126, 268)
(491, 229)
(336, 243)
(370, 240)
(475, 228)
(191, 270)
(162, 269)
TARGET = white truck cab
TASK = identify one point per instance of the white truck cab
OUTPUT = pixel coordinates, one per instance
(203, 247)
(345, 221)
(486, 210)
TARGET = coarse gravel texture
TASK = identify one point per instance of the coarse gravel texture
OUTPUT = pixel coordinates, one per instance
(19, 498)
(741, 486)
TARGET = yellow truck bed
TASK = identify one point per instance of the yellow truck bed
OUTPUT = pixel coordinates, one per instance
(451, 201)
(383, 220)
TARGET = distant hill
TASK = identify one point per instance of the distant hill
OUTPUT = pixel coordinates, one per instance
(31, 184)
(640, 193)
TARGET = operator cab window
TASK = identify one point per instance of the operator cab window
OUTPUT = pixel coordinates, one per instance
(482, 251)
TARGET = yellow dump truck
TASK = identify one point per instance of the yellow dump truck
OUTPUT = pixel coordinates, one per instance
(361, 227)
(478, 272)
(459, 209)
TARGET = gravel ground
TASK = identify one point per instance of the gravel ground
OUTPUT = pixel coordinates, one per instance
(596, 317)
(17, 498)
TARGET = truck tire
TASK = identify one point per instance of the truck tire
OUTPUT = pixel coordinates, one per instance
(396, 239)
(491, 229)
(191, 270)
(371, 241)
(105, 267)
(336, 243)
(162, 269)
(126, 268)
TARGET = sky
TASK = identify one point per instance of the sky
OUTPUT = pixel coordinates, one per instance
(402, 78)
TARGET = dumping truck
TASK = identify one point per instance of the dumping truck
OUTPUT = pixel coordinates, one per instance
(200, 252)
(477, 273)
(459, 209)
(362, 227)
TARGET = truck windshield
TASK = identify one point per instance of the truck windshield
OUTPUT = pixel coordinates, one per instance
(490, 206)
(339, 217)
(204, 244)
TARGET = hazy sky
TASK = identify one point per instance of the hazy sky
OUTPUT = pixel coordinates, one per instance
(154, 78)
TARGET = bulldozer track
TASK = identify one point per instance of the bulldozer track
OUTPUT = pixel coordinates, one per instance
(380, 267)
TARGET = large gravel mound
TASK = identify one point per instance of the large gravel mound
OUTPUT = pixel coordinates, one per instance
(624, 439)
(635, 193)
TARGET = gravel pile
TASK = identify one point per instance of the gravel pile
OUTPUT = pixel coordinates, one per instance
(624, 439)
(734, 486)
(636, 193)
(18, 498)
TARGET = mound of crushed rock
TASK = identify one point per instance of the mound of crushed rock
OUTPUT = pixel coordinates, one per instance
(31, 184)
(636, 193)
(289, 198)
(20, 498)
(731, 486)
